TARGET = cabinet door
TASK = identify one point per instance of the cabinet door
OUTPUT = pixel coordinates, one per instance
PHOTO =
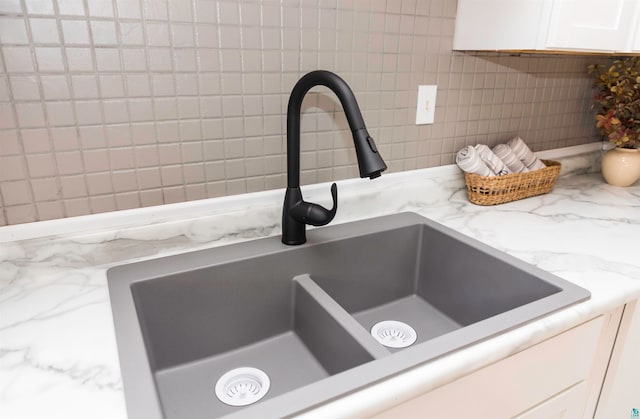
(621, 390)
(598, 25)
(551, 378)
(635, 42)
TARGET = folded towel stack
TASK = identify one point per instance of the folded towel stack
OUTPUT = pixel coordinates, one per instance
(469, 161)
(494, 163)
(525, 154)
(504, 159)
(505, 154)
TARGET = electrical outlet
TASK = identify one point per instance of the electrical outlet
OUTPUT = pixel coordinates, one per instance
(425, 110)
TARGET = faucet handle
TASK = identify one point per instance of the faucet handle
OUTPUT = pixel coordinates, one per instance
(314, 214)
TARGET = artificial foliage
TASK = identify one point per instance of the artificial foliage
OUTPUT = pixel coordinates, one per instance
(618, 101)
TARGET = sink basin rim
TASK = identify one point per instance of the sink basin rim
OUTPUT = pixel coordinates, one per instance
(134, 364)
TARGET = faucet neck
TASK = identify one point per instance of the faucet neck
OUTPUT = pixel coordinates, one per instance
(347, 100)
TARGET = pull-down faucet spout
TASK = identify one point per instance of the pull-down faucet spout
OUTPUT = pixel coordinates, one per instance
(296, 212)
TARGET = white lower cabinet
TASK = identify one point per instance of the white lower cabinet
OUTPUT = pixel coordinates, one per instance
(621, 390)
(557, 378)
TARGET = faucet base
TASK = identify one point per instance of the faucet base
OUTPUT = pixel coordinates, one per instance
(293, 231)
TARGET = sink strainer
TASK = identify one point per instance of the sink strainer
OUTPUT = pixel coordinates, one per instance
(242, 386)
(394, 334)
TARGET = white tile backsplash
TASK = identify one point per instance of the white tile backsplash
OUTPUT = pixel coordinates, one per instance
(166, 100)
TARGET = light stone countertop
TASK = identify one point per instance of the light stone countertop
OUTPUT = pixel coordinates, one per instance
(58, 355)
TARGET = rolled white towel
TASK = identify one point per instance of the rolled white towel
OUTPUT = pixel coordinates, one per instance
(492, 161)
(505, 154)
(469, 161)
(525, 154)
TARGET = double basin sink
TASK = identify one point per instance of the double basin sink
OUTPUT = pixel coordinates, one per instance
(259, 329)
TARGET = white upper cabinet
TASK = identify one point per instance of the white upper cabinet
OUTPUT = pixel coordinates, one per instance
(589, 25)
(635, 41)
(548, 25)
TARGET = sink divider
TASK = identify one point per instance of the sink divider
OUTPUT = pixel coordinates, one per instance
(329, 330)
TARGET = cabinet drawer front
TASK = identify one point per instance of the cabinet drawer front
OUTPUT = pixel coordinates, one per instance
(566, 405)
(515, 384)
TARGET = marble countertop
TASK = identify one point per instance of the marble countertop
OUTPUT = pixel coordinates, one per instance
(58, 355)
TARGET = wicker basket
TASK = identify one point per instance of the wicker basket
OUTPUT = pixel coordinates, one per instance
(494, 190)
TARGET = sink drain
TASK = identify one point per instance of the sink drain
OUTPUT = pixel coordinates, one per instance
(394, 334)
(242, 386)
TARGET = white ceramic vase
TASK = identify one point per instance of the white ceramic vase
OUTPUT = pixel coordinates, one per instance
(621, 166)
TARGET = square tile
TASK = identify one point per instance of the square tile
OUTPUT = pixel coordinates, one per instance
(111, 86)
(101, 204)
(121, 158)
(44, 31)
(73, 186)
(41, 165)
(49, 210)
(173, 194)
(205, 12)
(12, 168)
(60, 113)
(124, 181)
(182, 35)
(100, 8)
(79, 59)
(171, 175)
(146, 156)
(185, 61)
(40, 7)
(10, 6)
(165, 108)
(49, 59)
(35, 140)
(88, 112)
(169, 154)
(148, 178)
(180, 11)
(15, 192)
(155, 9)
(24, 87)
(118, 135)
(45, 189)
(115, 111)
(128, 200)
(108, 59)
(134, 59)
(18, 59)
(76, 207)
(69, 163)
(96, 160)
(151, 197)
(84, 86)
(20, 214)
(65, 139)
(30, 115)
(92, 137)
(160, 59)
(75, 32)
(13, 31)
(158, 34)
(99, 183)
(103, 33)
(131, 33)
(128, 9)
(71, 7)
(195, 192)
(163, 85)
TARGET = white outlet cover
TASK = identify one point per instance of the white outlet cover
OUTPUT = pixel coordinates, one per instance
(426, 107)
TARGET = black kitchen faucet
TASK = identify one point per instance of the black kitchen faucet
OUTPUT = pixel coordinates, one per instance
(296, 213)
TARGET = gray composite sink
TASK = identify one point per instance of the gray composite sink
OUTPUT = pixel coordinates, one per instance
(303, 315)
